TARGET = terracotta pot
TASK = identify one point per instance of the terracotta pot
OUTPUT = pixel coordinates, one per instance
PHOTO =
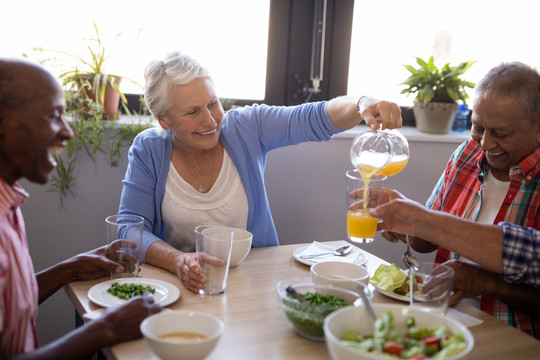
(111, 98)
(434, 117)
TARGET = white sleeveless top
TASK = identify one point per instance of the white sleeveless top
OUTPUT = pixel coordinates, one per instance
(184, 208)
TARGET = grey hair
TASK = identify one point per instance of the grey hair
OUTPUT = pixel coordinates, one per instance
(517, 81)
(163, 75)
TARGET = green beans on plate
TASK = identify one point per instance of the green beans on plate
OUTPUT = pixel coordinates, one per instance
(128, 290)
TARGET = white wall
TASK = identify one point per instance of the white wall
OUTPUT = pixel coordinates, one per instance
(306, 187)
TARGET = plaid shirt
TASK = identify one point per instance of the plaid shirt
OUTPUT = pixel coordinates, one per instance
(521, 255)
(459, 192)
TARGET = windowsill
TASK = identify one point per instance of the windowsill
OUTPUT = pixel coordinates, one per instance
(126, 120)
(137, 119)
(413, 134)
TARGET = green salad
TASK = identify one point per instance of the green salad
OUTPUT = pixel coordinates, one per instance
(392, 278)
(416, 343)
(306, 320)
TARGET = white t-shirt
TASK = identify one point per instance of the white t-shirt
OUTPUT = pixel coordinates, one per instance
(494, 192)
(184, 208)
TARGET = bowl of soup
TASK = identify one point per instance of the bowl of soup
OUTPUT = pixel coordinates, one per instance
(191, 335)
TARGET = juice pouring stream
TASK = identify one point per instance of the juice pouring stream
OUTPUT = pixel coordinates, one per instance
(372, 152)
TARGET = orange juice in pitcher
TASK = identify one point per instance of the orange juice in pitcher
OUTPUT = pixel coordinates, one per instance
(375, 155)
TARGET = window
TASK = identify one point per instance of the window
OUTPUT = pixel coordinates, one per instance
(388, 34)
(229, 37)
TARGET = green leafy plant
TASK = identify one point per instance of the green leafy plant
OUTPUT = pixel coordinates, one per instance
(93, 135)
(62, 182)
(430, 83)
(95, 130)
(89, 78)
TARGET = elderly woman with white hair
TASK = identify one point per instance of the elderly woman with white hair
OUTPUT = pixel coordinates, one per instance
(205, 166)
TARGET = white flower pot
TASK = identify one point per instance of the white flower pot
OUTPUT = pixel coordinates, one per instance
(434, 117)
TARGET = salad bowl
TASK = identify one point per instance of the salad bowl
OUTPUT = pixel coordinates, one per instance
(356, 320)
(307, 320)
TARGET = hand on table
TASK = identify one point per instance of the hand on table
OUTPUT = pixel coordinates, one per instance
(469, 280)
(124, 321)
(189, 269)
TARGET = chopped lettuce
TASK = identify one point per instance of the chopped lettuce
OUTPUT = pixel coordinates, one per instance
(451, 350)
(388, 277)
(437, 342)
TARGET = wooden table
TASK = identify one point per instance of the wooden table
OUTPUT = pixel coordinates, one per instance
(255, 328)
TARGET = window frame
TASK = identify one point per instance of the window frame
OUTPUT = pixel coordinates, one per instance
(289, 53)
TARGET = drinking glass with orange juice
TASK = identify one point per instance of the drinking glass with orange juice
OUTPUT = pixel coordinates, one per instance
(362, 227)
(375, 155)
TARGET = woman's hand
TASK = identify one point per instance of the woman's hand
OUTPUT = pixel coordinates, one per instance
(185, 265)
(346, 112)
(189, 272)
(389, 113)
(190, 269)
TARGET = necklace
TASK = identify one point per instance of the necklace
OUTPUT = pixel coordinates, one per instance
(201, 177)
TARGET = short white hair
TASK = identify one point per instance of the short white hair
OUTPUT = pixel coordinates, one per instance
(163, 75)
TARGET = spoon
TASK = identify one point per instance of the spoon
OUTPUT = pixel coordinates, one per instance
(292, 292)
(408, 257)
(344, 250)
(367, 303)
(361, 288)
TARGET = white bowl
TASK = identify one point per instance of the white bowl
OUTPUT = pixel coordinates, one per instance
(167, 322)
(241, 246)
(357, 318)
(337, 273)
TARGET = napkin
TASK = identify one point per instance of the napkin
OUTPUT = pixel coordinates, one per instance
(463, 318)
(319, 248)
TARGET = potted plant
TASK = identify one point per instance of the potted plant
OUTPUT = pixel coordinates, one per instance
(89, 91)
(92, 136)
(89, 80)
(437, 92)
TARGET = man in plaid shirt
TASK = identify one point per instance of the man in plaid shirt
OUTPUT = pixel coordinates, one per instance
(507, 249)
(495, 177)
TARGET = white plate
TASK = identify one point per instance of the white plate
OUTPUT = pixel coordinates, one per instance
(165, 293)
(392, 294)
(355, 253)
